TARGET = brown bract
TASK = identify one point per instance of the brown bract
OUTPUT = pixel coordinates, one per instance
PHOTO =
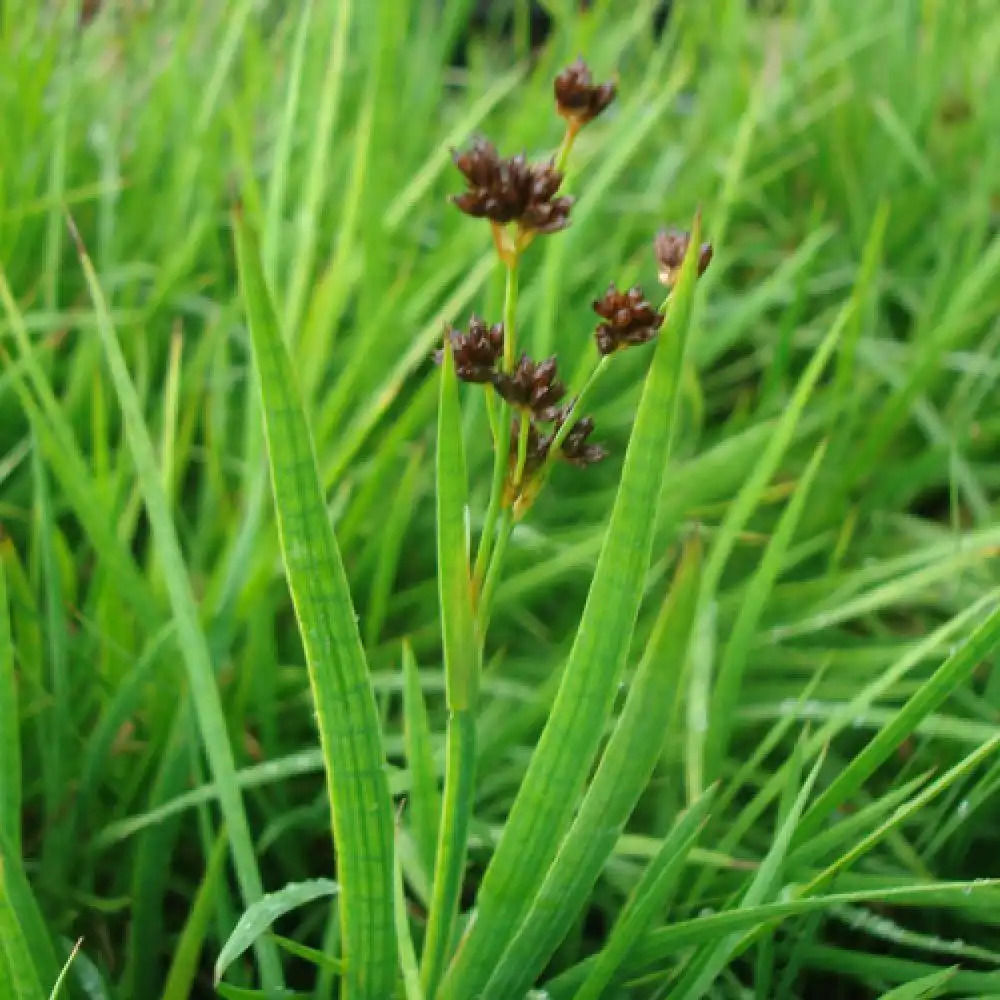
(511, 190)
(533, 387)
(578, 98)
(476, 351)
(671, 246)
(630, 319)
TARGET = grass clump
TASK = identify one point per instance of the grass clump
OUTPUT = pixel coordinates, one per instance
(650, 655)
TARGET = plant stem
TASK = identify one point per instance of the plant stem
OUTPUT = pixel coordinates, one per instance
(453, 831)
(566, 146)
(524, 431)
(599, 369)
(500, 422)
(493, 574)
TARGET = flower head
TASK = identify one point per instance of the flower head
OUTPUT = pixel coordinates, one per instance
(477, 351)
(578, 99)
(511, 190)
(629, 319)
(532, 387)
(574, 448)
(671, 246)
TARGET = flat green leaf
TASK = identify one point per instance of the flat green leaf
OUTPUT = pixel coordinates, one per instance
(648, 899)
(194, 646)
(10, 731)
(187, 950)
(15, 948)
(258, 918)
(926, 986)
(347, 717)
(424, 799)
(462, 669)
(955, 671)
(624, 770)
(561, 762)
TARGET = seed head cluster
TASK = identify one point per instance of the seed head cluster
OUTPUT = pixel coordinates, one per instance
(521, 199)
(511, 190)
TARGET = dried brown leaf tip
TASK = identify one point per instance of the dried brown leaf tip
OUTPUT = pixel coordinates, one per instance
(476, 351)
(511, 190)
(578, 99)
(629, 319)
(671, 246)
(532, 387)
(575, 448)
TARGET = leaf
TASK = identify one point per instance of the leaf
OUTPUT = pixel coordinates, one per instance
(424, 799)
(561, 762)
(15, 948)
(258, 918)
(347, 716)
(193, 643)
(462, 669)
(648, 899)
(926, 986)
(10, 730)
(624, 770)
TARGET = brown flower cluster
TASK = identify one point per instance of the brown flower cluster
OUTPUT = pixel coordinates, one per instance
(671, 246)
(578, 99)
(511, 190)
(629, 319)
(521, 200)
(476, 351)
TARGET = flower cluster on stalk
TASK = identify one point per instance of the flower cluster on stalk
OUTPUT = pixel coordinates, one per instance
(522, 200)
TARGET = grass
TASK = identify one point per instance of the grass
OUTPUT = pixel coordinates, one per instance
(731, 730)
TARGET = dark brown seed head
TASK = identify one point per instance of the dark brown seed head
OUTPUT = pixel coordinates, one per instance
(629, 319)
(476, 351)
(671, 246)
(575, 449)
(511, 190)
(532, 387)
(578, 98)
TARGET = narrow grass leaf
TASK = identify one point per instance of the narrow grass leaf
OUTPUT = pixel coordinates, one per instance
(932, 985)
(729, 678)
(64, 972)
(404, 940)
(648, 899)
(625, 768)
(561, 762)
(424, 798)
(184, 963)
(15, 946)
(194, 646)
(258, 918)
(347, 717)
(955, 671)
(10, 731)
(462, 669)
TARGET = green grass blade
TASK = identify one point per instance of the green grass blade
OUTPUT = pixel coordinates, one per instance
(407, 953)
(184, 964)
(728, 681)
(194, 646)
(462, 668)
(14, 947)
(955, 670)
(10, 731)
(648, 899)
(56, 991)
(624, 770)
(704, 969)
(424, 798)
(256, 919)
(350, 734)
(561, 761)
(932, 985)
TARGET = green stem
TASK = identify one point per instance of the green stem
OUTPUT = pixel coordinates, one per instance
(501, 429)
(493, 574)
(566, 146)
(599, 369)
(524, 431)
(456, 810)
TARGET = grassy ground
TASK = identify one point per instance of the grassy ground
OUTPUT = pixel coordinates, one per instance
(836, 447)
